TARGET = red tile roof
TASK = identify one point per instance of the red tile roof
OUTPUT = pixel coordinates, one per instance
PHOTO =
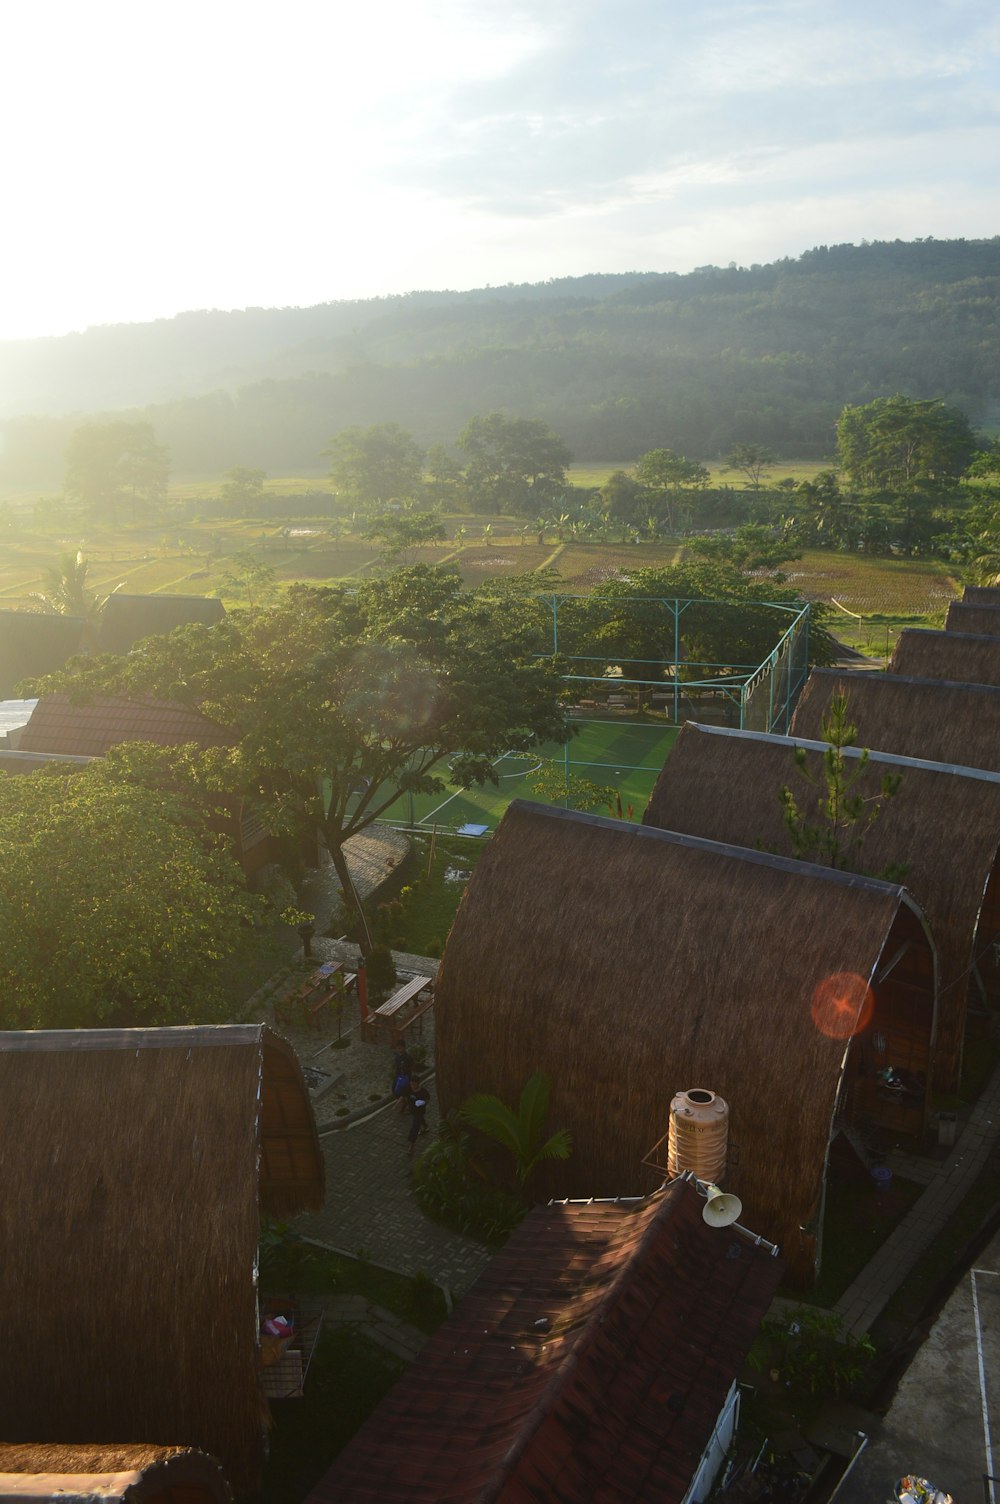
(650, 1315)
(57, 725)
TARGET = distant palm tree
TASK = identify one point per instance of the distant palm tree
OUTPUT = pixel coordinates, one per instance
(519, 1132)
(66, 592)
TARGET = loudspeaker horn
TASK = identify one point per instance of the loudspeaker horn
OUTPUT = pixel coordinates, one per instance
(720, 1209)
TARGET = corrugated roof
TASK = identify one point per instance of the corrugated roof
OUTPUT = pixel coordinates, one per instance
(650, 1315)
(58, 725)
(34, 643)
(127, 619)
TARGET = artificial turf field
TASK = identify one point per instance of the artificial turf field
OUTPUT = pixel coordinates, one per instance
(626, 755)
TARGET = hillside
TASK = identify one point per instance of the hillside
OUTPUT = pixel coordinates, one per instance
(616, 364)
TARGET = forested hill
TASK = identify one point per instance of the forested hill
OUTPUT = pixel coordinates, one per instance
(615, 364)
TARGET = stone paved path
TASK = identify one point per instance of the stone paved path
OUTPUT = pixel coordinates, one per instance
(369, 1205)
(863, 1301)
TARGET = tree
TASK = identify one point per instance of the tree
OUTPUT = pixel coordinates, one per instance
(752, 460)
(111, 465)
(251, 577)
(344, 698)
(748, 549)
(667, 476)
(376, 465)
(243, 488)
(520, 1132)
(445, 483)
(65, 591)
(401, 534)
(115, 908)
(896, 443)
(843, 814)
(513, 465)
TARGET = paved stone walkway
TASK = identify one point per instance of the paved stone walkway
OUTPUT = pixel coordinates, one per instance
(867, 1297)
(370, 1206)
(382, 1326)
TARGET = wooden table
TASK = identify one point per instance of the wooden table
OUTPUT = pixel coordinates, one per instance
(298, 999)
(392, 1013)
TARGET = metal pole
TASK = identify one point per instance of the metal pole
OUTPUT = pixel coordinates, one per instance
(677, 655)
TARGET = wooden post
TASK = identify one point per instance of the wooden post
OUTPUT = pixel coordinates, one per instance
(362, 986)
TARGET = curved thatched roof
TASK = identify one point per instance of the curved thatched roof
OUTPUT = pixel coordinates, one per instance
(980, 618)
(137, 1474)
(981, 595)
(630, 963)
(963, 657)
(943, 824)
(127, 619)
(131, 1156)
(33, 643)
(936, 719)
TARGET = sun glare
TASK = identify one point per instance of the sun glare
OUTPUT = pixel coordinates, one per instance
(842, 1005)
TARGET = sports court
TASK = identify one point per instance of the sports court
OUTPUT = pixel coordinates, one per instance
(625, 755)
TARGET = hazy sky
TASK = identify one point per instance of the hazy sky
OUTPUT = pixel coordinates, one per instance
(207, 153)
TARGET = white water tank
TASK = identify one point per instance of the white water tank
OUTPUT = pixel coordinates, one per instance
(699, 1135)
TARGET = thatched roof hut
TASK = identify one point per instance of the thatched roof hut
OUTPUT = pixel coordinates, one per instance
(134, 1474)
(593, 1359)
(135, 1163)
(981, 619)
(963, 657)
(631, 963)
(33, 643)
(981, 595)
(943, 825)
(940, 720)
(127, 619)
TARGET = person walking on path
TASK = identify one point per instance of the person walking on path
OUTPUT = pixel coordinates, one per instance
(420, 1099)
(402, 1073)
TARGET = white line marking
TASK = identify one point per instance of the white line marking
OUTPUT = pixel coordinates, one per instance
(982, 1381)
(459, 793)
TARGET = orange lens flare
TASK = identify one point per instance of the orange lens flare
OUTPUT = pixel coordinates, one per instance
(842, 1005)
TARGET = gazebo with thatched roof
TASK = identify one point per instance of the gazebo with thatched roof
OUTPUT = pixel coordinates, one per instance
(630, 963)
(943, 826)
(978, 618)
(962, 657)
(939, 720)
(135, 1165)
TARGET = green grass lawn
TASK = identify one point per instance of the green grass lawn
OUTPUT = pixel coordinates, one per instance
(626, 755)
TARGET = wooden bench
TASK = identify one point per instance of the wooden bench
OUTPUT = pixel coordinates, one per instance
(314, 1011)
(299, 1003)
(388, 1013)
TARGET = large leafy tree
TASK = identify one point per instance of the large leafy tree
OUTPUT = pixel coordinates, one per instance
(667, 476)
(341, 699)
(376, 465)
(897, 443)
(513, 464)
(114, 466)
(114, 908)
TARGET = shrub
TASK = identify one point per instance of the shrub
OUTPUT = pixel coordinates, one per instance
(380, 969)
(811, 1352)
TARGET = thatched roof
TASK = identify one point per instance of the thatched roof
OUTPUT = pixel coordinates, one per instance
(138, 1161)
(981, 595)
(963, 657)
(940, 720)
(631, 963)
(127, 619)
(34, 643)
(648, 1316)
(136, 1474)
(943, 824)
(89, 730)
(981, 619)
